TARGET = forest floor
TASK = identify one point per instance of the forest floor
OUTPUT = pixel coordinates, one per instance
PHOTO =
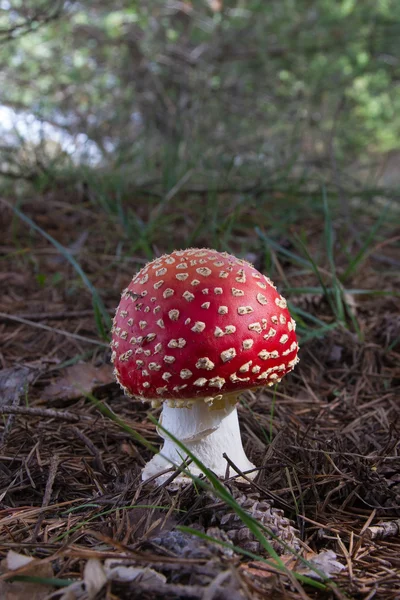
(326, 440)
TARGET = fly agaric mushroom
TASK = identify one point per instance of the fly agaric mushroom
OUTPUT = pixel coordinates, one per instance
(192, 330)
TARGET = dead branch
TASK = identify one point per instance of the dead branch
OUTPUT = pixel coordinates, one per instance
(47, 413)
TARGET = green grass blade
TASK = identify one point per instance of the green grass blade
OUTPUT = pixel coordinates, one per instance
(52, 581)
(365, 248)
(294, 258)
(68, 256)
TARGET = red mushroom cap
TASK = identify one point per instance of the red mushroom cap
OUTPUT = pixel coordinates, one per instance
(198, 322)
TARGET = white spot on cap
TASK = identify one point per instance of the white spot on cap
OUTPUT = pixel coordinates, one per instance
(262, 299)
(154, 366)
(161, 272)
(205, 291)
(143, 279)
(169, 260)
(281, 302)
(282, 319)
(195, 282)
(179, 343)
(182, 265)
(173, 314)
(218, 332)
(219, 263)
(230, 329)
(169, 359)
(245, 310)
(246, 367)
(223, 274)
(200, 382)
(256, 369)
(205, 363)
(205, 305)
(149, 337)
(218, 291)
(158, 284)
(264, 355)
(160, 323)
(146, 384)
(261, 285)
(182, 276)
(166, 376)
(264, 374)
(188, 296)
(205, 271)
(227, 355)
(168, 293)
(185, 374)
(270, 334)
(234, 378)
(217, 382)
(247, 344)
(157, 348)
(161, 390)
(284, 338)
(198, 327)
(241, 276)
(236, 292)
(222, 310)
(188, 321)
(268, 280)
(255, 327)
(289, 326)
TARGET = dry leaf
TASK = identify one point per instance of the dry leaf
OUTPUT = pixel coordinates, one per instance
(24, 590)
(13, 382)
(325, 561)
(80, 379)
(261, 569)
(120, 572)
(94, 577)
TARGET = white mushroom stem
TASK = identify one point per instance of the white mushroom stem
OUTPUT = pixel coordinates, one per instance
(207, 433)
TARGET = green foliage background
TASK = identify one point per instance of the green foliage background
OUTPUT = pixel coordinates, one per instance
(277, 88)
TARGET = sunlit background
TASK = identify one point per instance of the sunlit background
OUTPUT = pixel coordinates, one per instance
(236, 91)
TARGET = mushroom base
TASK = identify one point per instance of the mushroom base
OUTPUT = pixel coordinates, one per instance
(207, 434)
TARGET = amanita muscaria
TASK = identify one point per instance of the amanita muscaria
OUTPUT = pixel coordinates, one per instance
(193, 329)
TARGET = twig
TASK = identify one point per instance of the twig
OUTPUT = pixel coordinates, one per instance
(54, 462)
(57, 316)
(75, 336)
(91, 447)
(10, 420)
(49, 413)
(383, 530)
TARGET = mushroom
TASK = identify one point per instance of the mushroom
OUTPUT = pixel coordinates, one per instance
(194, 329)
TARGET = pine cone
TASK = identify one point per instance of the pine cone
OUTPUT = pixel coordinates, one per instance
(272, 518)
